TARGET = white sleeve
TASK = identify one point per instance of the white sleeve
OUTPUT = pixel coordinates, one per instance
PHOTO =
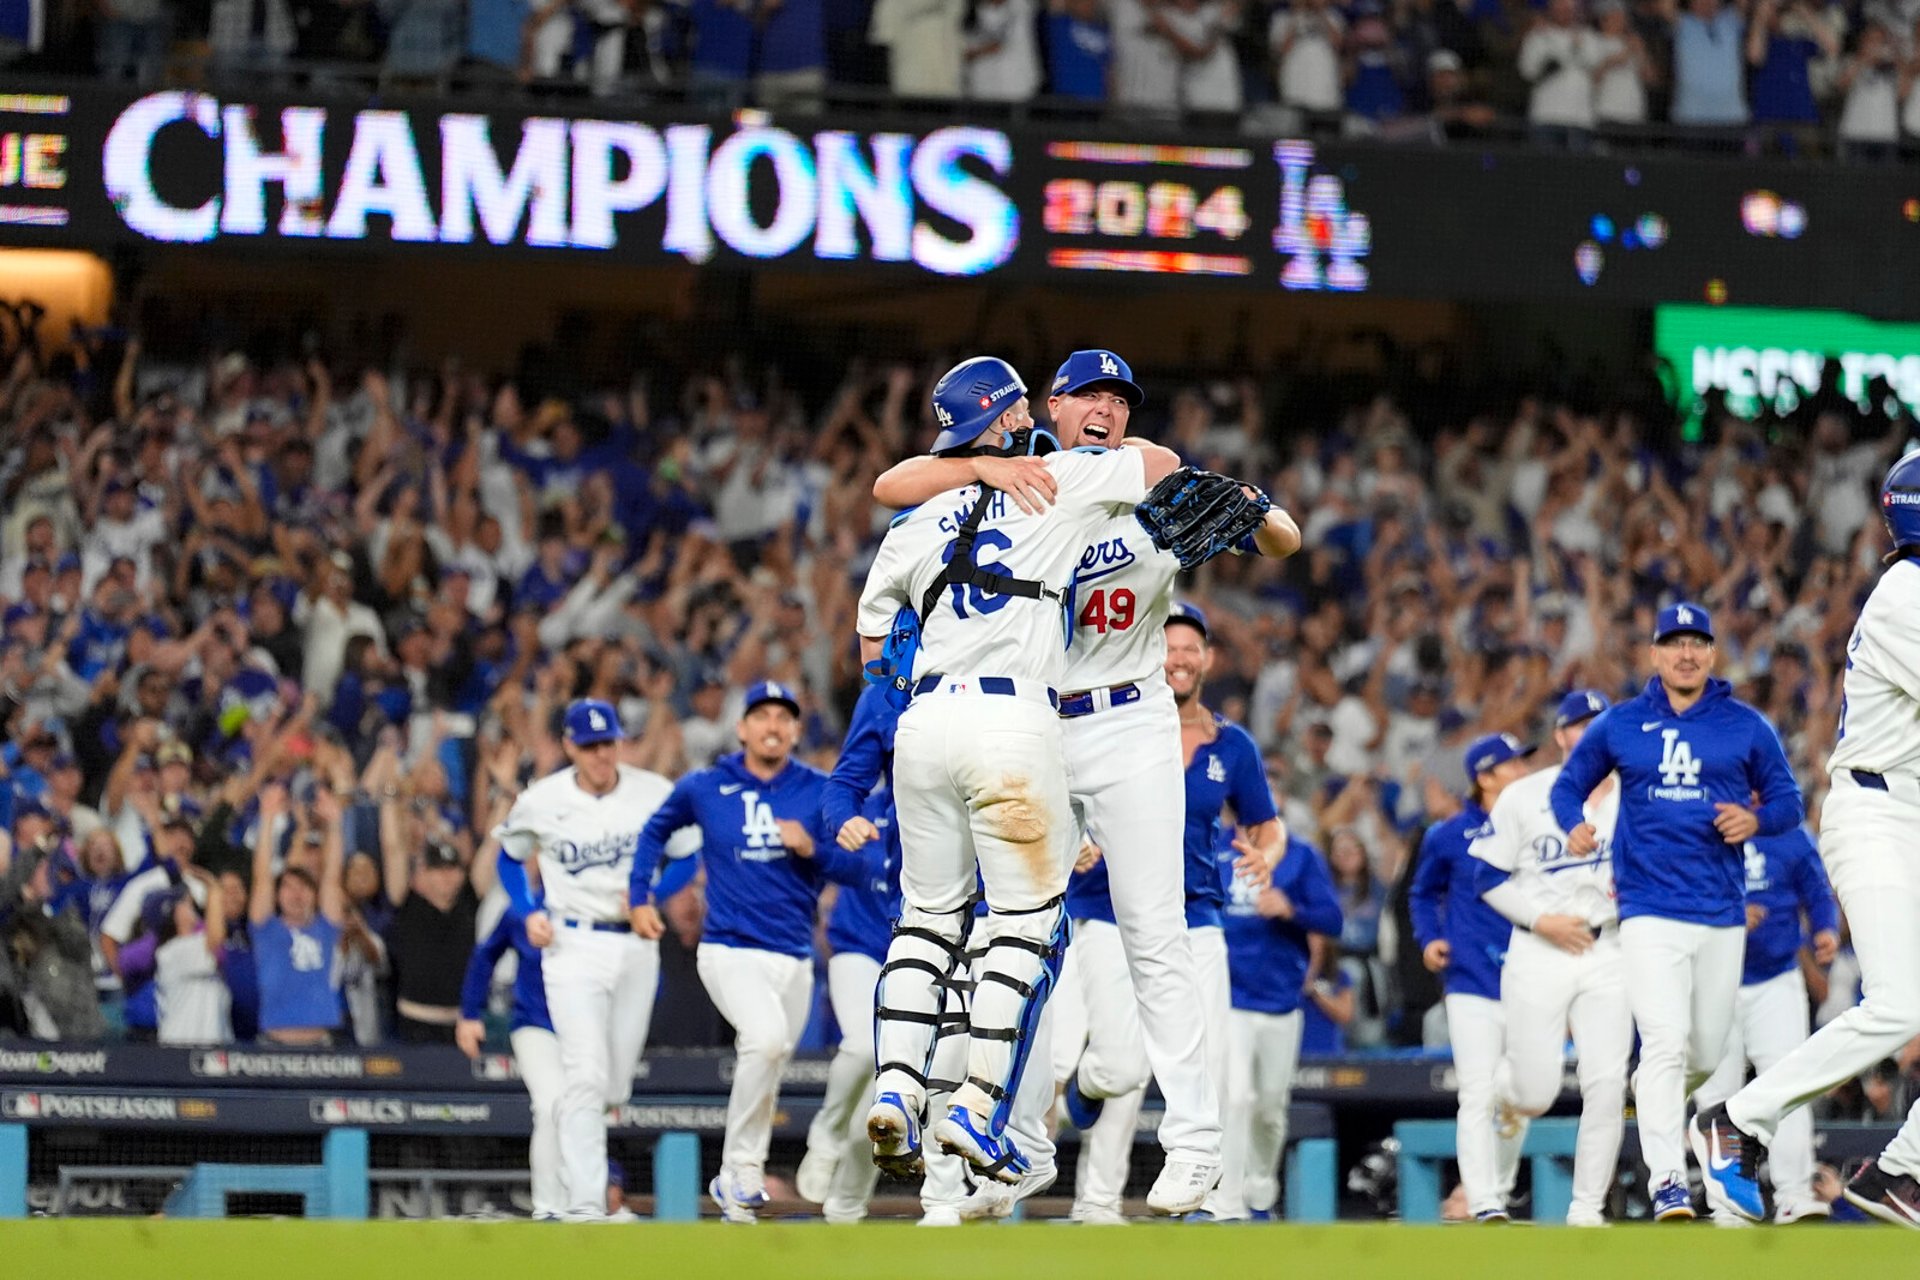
(124, 914)
(518, 839)
(1498, 844)
(684, 843)
(1109, 481)
(886, 592)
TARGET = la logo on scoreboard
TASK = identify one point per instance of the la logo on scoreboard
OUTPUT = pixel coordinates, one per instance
(1322, 239)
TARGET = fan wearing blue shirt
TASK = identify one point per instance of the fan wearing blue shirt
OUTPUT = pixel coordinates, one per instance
(1079, 51)
(536, 1051)
(767, 856)
(1224, 771)
(1691, 759)
(857, 805)
(1791, 916)
(1463, 938)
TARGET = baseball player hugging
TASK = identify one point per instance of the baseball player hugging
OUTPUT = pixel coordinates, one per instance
(583, 823)
(1691, 759)
(757, 813)
(1120, 729)
(1563, 970)
(980, 782)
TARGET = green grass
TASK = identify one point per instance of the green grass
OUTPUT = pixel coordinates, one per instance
(294, 1250)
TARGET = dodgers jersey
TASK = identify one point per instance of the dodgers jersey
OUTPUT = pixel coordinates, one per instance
(1668, 860)
(1785, 876)
(1122, 592)
(529, 985)
(864, 912)
(1267, 958)
(1445, 904)
(585, 842)
(1880, 692)
(977, 632)
(758, 895)
(1522, 839)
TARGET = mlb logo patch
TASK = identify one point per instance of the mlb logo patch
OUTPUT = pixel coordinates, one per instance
(986, 402)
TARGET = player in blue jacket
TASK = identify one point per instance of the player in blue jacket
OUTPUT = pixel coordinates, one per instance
(1464, 938)
(1790, 908)
(1269, 929)
(1691, 759)
(536, 1052)
(767, 856)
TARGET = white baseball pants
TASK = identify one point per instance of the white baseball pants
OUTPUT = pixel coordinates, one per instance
(536, 1054)
(1771, 1022)
(600, 993)
(764, 996)
(1545, 993)
(1129, 786)
(1683, 982)
(1263, 1052)
(1867, 843)
(1488, 1163)
(840, 1126)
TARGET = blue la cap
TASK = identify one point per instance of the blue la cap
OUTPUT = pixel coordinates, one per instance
(68, 563)
(19, 613)
(589, 720)
(1189, 614)
(1683, 619)
(770, 691)
(1492, 751)
(1084, 368)
(1581, 704)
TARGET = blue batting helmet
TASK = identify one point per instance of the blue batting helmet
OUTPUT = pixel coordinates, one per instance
(1900, 501)
(970, 396)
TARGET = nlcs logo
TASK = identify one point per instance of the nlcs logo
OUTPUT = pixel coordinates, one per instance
(1678, 768)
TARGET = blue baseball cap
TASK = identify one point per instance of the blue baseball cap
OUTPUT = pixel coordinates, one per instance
(589, 720)
(1189, 614)
(1685, 618)
(1492, 751)
(19, 613)
(1581, 704)
(1084, 368)
(770, 691)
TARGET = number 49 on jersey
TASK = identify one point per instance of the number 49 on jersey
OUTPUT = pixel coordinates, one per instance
(1108, 610)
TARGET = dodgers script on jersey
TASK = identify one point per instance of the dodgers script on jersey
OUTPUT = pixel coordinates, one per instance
(1881, 687)
(585, 842)
(1522, 839)
(976, 632)
(1122, 592)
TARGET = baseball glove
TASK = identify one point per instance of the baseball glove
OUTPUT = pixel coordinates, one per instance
(1198, 514)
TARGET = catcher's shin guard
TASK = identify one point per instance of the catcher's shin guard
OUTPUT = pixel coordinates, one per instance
(1020, 960)
(920, 1000)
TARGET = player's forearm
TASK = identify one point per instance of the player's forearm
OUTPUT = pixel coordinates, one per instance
(1279, 537)
(1783, 812)
(1511, 901)
(513, 882)
(921, 479)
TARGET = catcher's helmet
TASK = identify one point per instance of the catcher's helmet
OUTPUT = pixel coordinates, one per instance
(970, 396)
(1900, 502)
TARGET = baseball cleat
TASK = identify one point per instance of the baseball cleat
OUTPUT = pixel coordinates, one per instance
(996, 1157)
(1729, 1164)
(1890, 1197)
(1095, 1215)
(1182, 1187)
(814, 1178)
(940, 1215)
(1672, 1201)
(733, 1206)
(894, 1130)
(1785, 1215)
(1578, 1217)
(993, 1200)
(1082, 1110)
(1497, 1217)
(1260, 1215)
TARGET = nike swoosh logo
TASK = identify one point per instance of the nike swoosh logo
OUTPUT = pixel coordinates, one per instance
(1714, 1158)
(1649, 726)
(727, 791)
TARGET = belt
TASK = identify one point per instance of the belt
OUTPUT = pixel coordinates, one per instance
(1903, 785)
(1085, 703)
(598, 926)
(999, 685)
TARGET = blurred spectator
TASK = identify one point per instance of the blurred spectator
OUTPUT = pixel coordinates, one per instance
(126, 922)
(1561, 59)
(1373, 68)
(436, 900)
(1910, 84)
(250, 35)
(1454, 110)
(1202, 35)
(722, 57)
(190, 988)
(924, 43)
(1623, 71)
(46, 959)
(1306, 39)
(1003, 62)
(1869, 86)
(295, 917)
(1146, 66)
(1079, 50)
(133, 40)
(791, 71)
(1362, 896)
(1709, 71)
(1783, 42)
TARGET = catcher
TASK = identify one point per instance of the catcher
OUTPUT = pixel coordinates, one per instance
(1122, 732)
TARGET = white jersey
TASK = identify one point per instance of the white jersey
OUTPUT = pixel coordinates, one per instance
(978, 633)
(1522, 839)
(1123, 591)
(1880, 712)
(586, 842)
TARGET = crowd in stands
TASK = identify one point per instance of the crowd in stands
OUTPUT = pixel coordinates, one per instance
(1794, 76)
(282, 639)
